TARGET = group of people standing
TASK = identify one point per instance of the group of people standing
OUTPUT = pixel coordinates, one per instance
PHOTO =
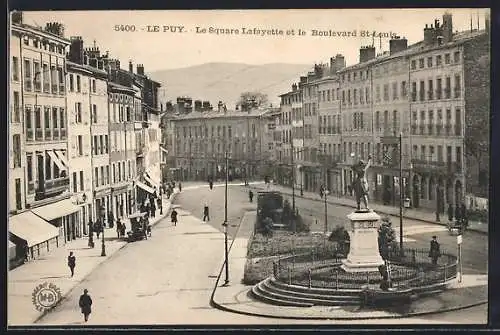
(460, 214)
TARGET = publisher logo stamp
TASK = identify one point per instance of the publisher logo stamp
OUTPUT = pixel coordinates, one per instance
(45, 296)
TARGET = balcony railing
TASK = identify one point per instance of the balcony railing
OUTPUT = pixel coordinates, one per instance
(457, 92)
(38, 86)
(448, 129)
(38, 134)
(63, 133)
(56, 134)
(430, 128)
(447, 93)
(439, 94)
(27, 84)
(458, 130)
(29, 134)
(46, 87)
(61, 88)
(56, 185)
(48, 134)
(54, 89)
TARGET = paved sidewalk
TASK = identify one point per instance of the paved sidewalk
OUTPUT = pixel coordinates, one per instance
(235, 298)
(52, 268)
(414, 214)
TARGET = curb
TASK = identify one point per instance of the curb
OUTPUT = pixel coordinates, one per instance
(219, 306)
(382, 212)
(212, 302)
(63, 297)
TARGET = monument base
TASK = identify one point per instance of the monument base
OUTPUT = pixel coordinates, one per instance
(363, 255)
(364, 266)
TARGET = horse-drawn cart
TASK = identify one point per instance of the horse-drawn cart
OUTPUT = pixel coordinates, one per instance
(137, 231)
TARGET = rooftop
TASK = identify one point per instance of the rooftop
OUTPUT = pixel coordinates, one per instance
(227, 114)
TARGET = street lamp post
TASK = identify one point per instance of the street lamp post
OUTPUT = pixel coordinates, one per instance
(226, 252)
(326, 192)
(103, 246)
(401, 193)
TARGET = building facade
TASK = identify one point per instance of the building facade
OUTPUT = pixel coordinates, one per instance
(39, 160)
(429, 94)
(201, 140)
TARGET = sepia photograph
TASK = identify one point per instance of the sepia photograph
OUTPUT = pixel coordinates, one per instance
(248, 167)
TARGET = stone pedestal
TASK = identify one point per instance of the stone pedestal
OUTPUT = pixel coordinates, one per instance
(363, 232)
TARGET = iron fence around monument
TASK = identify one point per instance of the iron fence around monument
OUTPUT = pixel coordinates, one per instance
(411, 269)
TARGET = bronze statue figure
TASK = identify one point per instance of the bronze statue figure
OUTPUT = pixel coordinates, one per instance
(360, 183)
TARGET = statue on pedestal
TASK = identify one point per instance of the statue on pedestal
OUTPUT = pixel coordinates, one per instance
(360, 183)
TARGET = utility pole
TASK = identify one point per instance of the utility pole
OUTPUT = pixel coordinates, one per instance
(293, 177)
(401, 193)
(226, 255)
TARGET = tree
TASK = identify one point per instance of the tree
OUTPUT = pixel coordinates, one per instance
(249, 100)
(386, 238)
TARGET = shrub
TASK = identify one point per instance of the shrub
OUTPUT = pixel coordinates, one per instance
(480, 215)
(340, 236)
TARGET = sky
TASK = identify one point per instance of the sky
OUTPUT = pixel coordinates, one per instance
(168, 50)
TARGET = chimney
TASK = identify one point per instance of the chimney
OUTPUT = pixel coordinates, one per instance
(55, 28)
(130, 67)
(339, 62)
(428, 34)
(294, 87)
(198, 106)
(366, 53)
(447, 27)
(303, 79)
(140, 69)
(397, 44)
(220, 106)
(76, 50)
(17, 17)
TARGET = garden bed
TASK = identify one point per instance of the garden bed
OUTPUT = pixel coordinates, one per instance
(263, 251)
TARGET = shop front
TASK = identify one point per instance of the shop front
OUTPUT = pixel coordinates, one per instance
(64, 215)
(28, 229)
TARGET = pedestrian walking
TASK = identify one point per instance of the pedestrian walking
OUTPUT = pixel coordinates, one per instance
(71, 263)
(250, 195)
(434, 250)
(123, 228)
(463, 214)
(450, 212)
(98, 228)
(118, 227)
(173, 217)
(160, 204)
(26, 251)
(153, 208)
(180, 187)
(206, 216)
(85, 304)
(458, 214)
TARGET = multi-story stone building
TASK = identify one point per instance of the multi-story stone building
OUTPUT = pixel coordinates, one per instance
(39, 151)
(88, 128)
(283, 135)
(430, 93)
(201, 140)
(329, 127)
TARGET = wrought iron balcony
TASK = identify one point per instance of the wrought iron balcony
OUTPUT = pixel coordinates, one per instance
(51, 187)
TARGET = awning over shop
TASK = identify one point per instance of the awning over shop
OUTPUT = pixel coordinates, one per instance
(61, 156)
(145, 187)
(56, 210)
(32, 228)
(153, 176)
(12, 250)
(149, 180)
(56, 160)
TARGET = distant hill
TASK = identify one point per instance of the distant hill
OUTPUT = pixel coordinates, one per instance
(226, 81)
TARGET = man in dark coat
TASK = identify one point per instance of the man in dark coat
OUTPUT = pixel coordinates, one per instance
(458, 214)
(180, 187)
(98, 227)
(173, 217)
(434, 250)
(206, 216)
(71, 263)
(450, 212)
(463, 214)
(85, 304)
(250, 195)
